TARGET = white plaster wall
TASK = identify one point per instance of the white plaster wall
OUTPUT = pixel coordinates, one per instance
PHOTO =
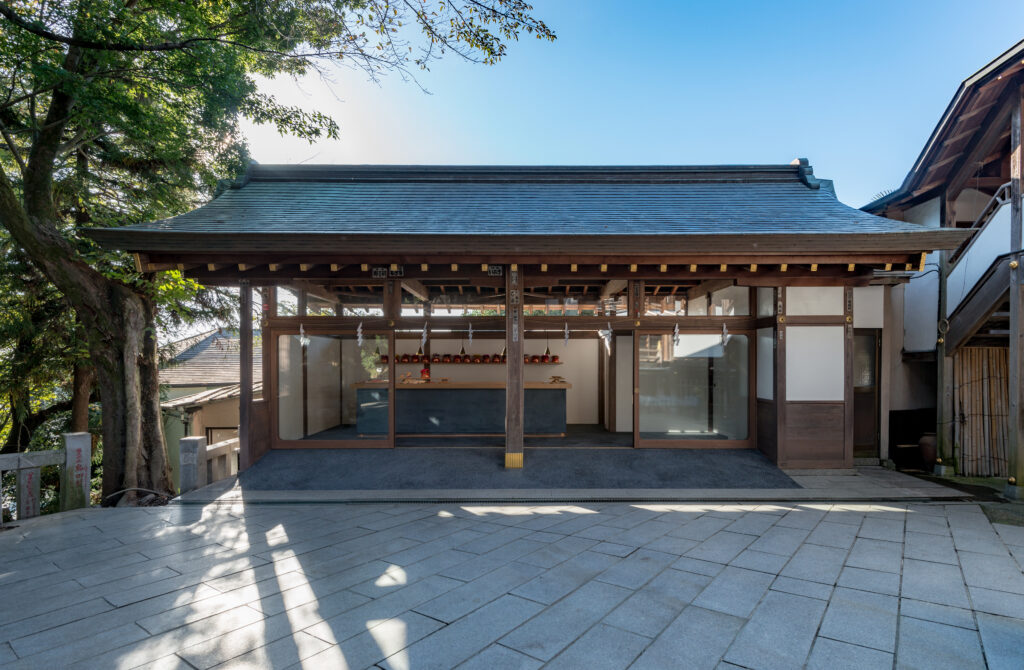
(289, 387)
(578, 358)
(920, 308)
(623, 383)
(323, 383)
(868, 306)
(909, 384)
(970, 203)
(927, 214)
(992, 241)
(921, 297)
(765, 363)
(814, 300)
(815, 369)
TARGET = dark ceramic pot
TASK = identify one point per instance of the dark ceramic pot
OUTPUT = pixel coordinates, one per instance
(927, 445)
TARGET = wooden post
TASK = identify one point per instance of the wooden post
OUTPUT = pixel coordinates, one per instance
(1015, 485)
(514, 394)
(245, 453)
(848, 379)
(944, 411)
(780, 377)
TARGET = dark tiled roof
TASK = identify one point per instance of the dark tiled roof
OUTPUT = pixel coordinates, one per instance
(208, 396)
(306, 201)
(211, 361)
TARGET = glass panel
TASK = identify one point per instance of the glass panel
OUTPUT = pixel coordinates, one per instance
(731, 301)
(666, 305)
(765, 301)
(694, 389)
(287, 301)
(615, 305)
(317, 306)
(697, 306)
(864, 361)
(330, 388)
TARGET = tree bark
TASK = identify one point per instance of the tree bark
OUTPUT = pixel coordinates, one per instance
(81, 390)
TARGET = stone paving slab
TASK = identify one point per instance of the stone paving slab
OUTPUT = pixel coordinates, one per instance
(784, 584)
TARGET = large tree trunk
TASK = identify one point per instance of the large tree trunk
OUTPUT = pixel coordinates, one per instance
(81, 390)
(134, 455)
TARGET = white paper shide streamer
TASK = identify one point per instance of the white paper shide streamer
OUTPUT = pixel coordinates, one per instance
(566, 332)
(359, 334)
(606, 337)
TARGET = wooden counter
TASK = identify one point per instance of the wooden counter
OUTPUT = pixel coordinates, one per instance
(461, 385)
(458, 408)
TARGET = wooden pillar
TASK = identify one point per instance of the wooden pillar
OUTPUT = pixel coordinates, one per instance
(780, 377)
(848, 379)
(945, 414)
(1015, 485)
(245, 452)
(514, 394)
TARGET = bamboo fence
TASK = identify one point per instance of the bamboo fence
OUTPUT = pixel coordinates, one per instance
(981, 402)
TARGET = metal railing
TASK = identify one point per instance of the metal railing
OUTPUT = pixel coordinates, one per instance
(75, 482)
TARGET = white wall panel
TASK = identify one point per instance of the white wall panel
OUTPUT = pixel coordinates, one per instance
(766, 363)
(814, 300)
(815, 365)
(868, 306)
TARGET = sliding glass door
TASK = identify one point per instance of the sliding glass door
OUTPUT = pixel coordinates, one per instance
(693, 390)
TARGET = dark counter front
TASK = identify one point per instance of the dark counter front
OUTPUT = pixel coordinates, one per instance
(449, 409)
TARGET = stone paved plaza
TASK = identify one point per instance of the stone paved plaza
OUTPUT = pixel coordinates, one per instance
(482, 586)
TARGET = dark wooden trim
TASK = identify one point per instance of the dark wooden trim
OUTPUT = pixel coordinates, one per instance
(305, 389)
(636, 388)
(780, 377)
(1016, 354)
(848, 415)
(601, 390)
(392, 395)
(246, 457)
(612, 387)
(838, 320)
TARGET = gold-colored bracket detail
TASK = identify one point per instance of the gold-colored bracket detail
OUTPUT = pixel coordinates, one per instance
(514, 461)
(783, 267)
(814, 267)
(920, 265)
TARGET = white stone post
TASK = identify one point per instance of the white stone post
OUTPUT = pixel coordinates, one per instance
(28, 493)
(76, 480)
(192, 452)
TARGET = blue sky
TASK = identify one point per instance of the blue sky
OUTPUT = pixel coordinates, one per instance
(856, 87)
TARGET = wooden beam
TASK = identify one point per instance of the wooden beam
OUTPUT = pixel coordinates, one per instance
(708, 287)
(614, 286)
(994, 126)
(416, 288)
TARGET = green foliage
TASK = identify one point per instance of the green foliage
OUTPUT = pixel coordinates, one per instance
(139, 104)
